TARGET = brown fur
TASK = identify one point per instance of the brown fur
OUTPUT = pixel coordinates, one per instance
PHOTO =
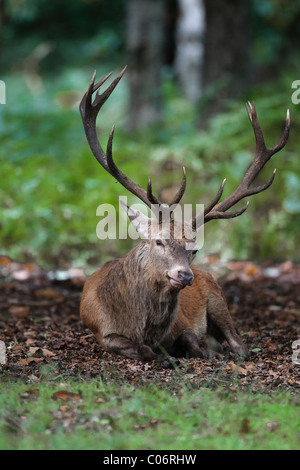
(133, 310)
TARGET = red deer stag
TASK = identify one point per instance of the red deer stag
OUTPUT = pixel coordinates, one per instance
(153, 300)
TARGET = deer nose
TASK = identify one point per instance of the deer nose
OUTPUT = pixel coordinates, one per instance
(185, 277)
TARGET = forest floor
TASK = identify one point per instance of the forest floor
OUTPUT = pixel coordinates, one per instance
(45, 339)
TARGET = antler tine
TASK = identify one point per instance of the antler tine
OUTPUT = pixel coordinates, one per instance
(284, 136)
(196, 222)
(216, 199)
(218, 210)
(225, 215)
(123, 179)
(251, 110)
(89, 110)
(152, 199)
(98, 84)
(109, 158)
(262, 153)
(86, 102)
(178, 196)
(263, 187)
(100, 99)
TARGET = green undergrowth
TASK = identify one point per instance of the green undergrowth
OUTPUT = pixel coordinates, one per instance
(51, 185)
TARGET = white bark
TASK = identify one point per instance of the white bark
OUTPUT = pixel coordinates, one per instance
(190, 47)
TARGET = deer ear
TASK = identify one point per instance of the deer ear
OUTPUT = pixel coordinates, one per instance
(140, 221)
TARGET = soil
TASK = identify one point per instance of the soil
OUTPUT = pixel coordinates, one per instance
(45, 339)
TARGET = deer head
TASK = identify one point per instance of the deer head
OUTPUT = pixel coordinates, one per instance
(169, 248)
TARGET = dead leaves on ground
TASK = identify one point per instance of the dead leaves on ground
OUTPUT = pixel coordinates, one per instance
(44, 337)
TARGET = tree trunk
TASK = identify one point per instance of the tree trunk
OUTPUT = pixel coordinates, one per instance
(190, 48)
(226, 50)
(145, 46)
(2, 18)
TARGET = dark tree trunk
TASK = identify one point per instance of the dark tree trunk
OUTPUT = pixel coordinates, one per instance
(145, 46)
(2, 18)
(226, 51)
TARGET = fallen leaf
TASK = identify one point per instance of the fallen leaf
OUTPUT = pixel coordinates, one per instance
(30, 341)
(19, 311)
(235, 368)
(272, 426)
(251, 270)
(48, 293)
(100, 400)
(4, 260)
(65, 395)
(39, 352)
(154, 421)
(26, 362)
(62, 395)
(64, 408)
(48, 353)
(30, 393)
(35, 351)
(273, 374)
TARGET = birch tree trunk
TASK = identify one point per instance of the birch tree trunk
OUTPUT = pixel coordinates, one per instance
(190, 48)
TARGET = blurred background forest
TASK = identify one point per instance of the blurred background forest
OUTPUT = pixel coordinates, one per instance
(192, 65)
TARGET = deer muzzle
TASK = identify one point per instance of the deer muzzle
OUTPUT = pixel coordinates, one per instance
(180, 278)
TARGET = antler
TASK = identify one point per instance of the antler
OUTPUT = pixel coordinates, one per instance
(218, 210)
(89, 111)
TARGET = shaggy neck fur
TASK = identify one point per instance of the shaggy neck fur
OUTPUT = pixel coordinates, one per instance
(152, 303)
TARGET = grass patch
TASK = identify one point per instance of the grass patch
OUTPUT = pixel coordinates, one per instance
(94, 415)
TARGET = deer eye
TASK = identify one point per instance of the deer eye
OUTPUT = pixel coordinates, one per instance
(194, 252)
(159, 243)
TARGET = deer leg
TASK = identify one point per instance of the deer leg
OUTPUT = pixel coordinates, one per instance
(126, 347)
(141, 352)
(187, 343)
(220, 325)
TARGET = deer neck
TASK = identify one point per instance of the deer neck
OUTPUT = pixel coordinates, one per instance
(139, 264)
(153, 303)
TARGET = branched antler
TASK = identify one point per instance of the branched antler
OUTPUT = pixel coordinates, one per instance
(89, 110)
(218, 210)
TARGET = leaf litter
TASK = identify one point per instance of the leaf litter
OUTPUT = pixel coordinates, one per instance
(44, 337)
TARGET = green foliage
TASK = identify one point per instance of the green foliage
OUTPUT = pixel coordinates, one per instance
(224, 149)
(49, 36)
(51, 185)
(94, 415)
(274, 30)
